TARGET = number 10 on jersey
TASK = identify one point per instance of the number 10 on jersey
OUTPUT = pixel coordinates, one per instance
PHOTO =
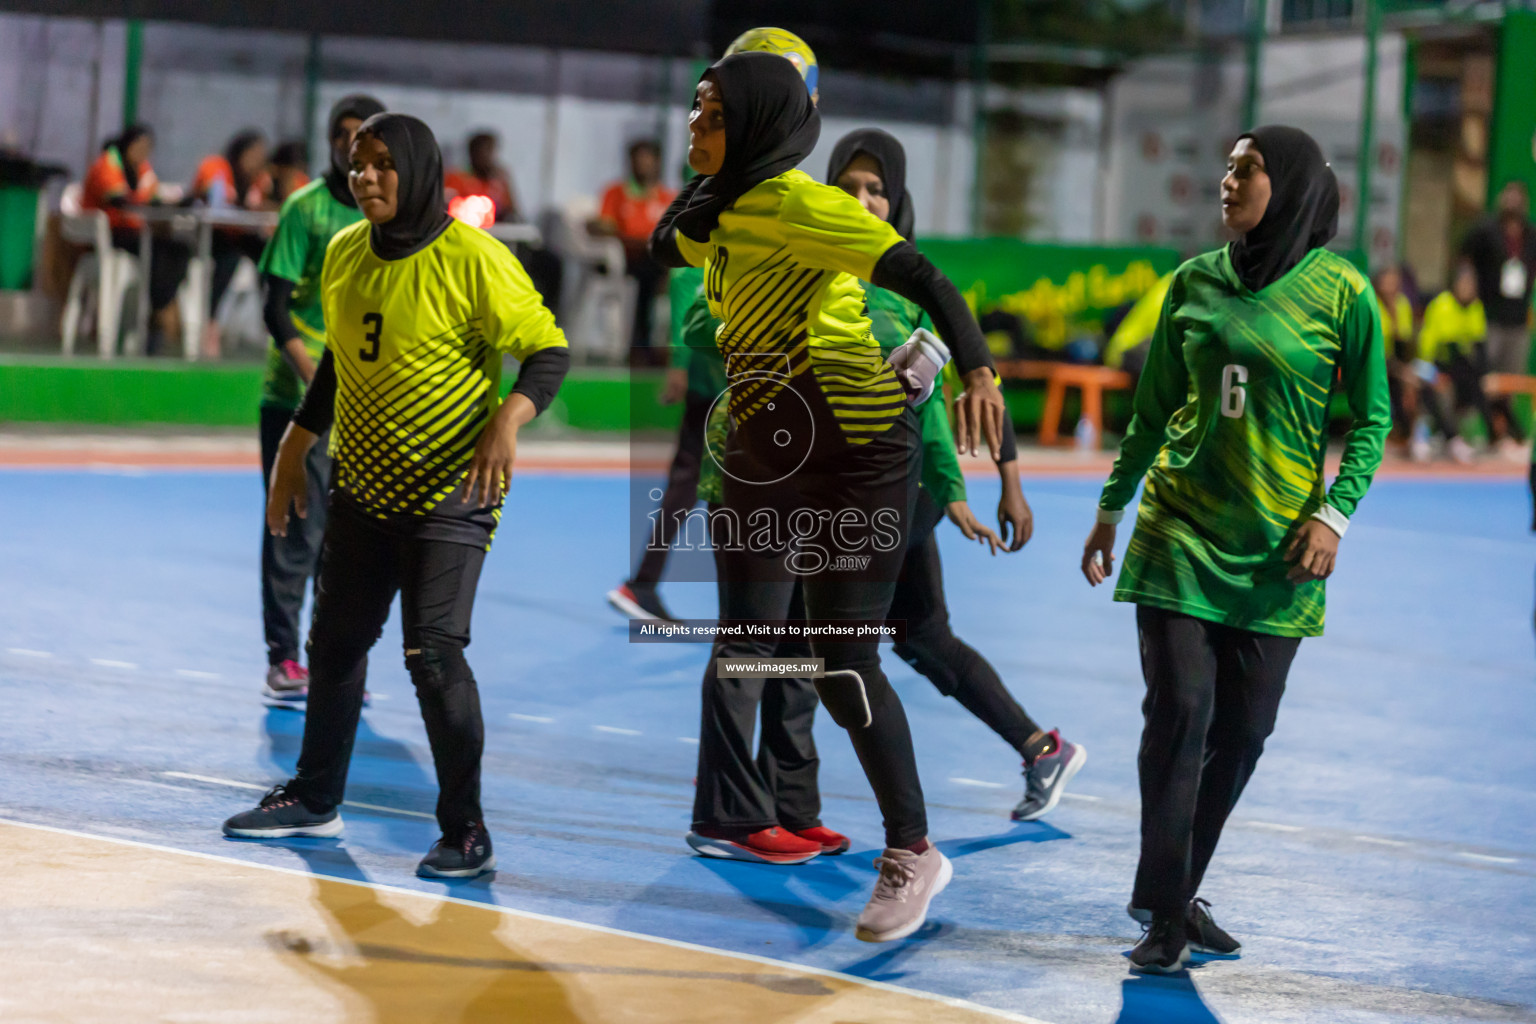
(1234, 397)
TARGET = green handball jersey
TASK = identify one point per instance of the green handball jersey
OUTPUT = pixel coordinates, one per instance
(892, 320)
(1230, 432)
(417, 345)
(309, 220)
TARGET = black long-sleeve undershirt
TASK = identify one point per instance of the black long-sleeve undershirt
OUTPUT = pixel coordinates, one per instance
(908, 273)
(317, 410)
(275, 309)
(663, 244)
(538, 379)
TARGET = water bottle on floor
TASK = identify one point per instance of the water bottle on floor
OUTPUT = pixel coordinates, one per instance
(1085, 437)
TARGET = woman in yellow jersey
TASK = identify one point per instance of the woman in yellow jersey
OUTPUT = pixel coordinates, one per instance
(1454, 342)
(823, 433)
(1397, 335)
(419, 310)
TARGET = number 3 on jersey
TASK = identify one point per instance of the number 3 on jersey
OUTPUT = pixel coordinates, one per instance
(1234, 397)
(370, 354)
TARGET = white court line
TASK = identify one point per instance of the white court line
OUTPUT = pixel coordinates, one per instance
(528, 915)
(110, 663)
(1380, 841)
(1487, 857)
(530, 718)
(251, 785)
(978, 782)
(1276, 826)
(1082, 796)
(691, 740)
(27, 652)
(192, 673)
(615, 730)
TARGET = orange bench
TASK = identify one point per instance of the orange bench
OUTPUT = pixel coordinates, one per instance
(1501, 384)
(1092, 381)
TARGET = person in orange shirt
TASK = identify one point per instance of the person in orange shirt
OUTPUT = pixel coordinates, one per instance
(289, 170)
(237, 177)
(629, 212)
(484, 177)
(122, 177)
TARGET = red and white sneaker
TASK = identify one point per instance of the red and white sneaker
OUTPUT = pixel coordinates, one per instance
(832, 843)
(769, 846)
(287, 686)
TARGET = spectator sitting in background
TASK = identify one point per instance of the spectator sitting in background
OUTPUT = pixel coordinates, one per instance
(1502, 250)
(1397, 333)
(290, 169)
(629, 212)
(1453, 341)
(235, 179)
(121, 177)
(485, 177)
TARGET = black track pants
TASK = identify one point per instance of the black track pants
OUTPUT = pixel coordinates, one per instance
(932, 648)
(682, 487)
(1212, 695)
(288, 563)
(363, 566)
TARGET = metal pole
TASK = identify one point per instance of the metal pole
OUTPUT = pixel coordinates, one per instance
(979, 74)
(312, 93)
(1257, 28)
(1367, 129)
(133, 58)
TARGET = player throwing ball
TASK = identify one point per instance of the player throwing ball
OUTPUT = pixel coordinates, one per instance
(822, 424)
(419, 310)
(1236, 532)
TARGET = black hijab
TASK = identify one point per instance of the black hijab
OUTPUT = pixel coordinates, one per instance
(120, 142)
(886, 151)
(421, 214)
(1303, 212)
(232, 153)
(770, 126)
(361, 107)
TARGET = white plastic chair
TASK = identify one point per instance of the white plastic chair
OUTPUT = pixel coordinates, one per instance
(599, 299)
(103, 277)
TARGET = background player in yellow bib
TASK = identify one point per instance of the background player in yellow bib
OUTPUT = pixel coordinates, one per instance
(1236, 533)
(822, 427)
(419, 310)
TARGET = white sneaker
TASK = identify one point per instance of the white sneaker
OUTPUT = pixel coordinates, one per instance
(1420, 451)
(1461, 451)
(908, 883)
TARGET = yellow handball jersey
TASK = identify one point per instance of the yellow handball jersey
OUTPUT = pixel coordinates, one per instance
(782, 273)
(417, 345)
(1450, 325)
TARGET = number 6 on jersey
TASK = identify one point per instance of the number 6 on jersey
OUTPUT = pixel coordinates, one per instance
(1233, 396)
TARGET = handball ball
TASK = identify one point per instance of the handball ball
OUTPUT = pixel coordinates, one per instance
(784, 43)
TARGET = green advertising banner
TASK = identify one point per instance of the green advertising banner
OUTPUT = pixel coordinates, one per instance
(1059, 290)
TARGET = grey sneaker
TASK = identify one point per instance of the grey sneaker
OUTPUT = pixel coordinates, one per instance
(1047, 778)
(908, 883)
(281, 814)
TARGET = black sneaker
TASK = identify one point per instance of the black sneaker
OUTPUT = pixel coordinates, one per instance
(1164, 949)
(463, 856)
(280, 814)
(639, 601)
(1205, 936)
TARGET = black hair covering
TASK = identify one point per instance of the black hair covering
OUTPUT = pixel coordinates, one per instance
(770, 126)
(120, 142)
(362, 107)
(420, 211)
(886, 151)
(1303, 211)
(232, 152)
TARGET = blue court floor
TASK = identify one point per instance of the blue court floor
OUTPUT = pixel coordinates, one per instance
(1382, 866)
